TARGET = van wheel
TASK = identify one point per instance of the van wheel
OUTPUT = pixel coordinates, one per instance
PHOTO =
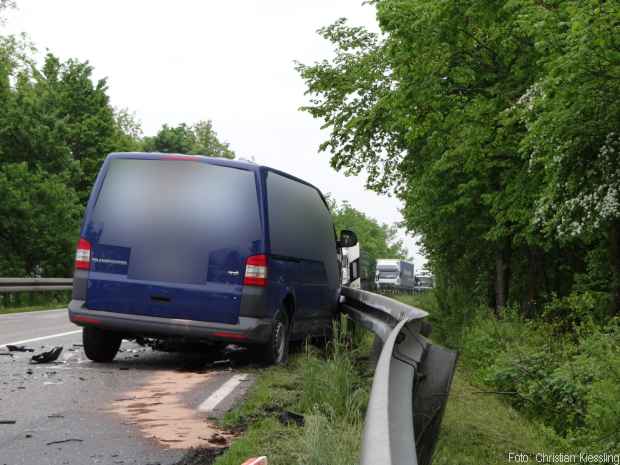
(275, 351)
(100, 345)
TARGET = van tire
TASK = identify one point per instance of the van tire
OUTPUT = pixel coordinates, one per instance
(100, 345)
(275, 351)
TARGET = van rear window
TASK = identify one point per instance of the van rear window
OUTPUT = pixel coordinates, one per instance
(177, 218)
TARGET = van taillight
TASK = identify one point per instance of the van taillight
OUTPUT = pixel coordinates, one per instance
(256, 271)
(82, 255)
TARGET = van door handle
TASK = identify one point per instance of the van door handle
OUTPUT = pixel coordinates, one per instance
(233, 273)
(160, 298)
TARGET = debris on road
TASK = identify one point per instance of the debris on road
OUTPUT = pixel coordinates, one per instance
(63, 441)
(55, 415)
(47, 357)
(256, 461)
(13, 348)
(218, 439)
(220, 363)
(8, 422)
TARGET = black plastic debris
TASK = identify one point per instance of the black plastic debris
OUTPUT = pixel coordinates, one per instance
(8, 422)
(221, 363)
(47, 357)
(287, 418)
(63, 441)
(13, 348)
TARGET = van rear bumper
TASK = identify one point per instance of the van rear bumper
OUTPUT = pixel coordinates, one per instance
(249, 330)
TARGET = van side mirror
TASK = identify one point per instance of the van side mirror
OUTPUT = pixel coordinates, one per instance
(347, 238)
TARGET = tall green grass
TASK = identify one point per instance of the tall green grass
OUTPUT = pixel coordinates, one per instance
(329, 387)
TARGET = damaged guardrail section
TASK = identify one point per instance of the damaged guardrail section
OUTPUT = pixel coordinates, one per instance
(411, 383)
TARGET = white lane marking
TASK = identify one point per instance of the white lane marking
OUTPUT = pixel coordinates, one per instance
(51, 336)
(211, 402)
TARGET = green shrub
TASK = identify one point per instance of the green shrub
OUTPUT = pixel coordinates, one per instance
(576, 309)
(563, 368)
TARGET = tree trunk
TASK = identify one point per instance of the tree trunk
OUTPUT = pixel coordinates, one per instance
(614, 262)
(502, 273)
(535, 278)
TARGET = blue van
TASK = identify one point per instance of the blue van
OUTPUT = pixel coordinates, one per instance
(204, 249)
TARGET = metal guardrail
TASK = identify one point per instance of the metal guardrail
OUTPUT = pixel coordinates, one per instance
(13, 285)
(411, 382)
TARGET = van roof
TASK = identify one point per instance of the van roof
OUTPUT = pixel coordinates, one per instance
(243, 164)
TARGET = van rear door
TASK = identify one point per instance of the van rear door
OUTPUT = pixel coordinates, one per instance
(169, 238)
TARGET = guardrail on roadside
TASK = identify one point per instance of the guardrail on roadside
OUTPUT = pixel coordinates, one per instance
(411, 382)
(15, 285)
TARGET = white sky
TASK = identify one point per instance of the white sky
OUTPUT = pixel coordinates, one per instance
(228, 61)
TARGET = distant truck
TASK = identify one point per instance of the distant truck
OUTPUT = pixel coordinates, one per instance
(394, 274)
(424, 282)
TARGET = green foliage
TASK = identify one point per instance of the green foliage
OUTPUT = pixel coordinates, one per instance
(568, 379)
(20, 302)
(496, 123)
(57, 119)
(39, 221)
(576, 309)
(377, 240)
(199, 139)
(56, 127)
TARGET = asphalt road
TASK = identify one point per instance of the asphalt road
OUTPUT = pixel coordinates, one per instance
(146, 407)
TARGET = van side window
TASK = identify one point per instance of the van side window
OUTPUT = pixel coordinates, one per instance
(300, 225)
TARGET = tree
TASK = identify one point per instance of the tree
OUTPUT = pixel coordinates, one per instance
(378, 240)
(39, 219)
(447, 107)
(57, 119)
(56, 127)
(572, 113)
(199, 139)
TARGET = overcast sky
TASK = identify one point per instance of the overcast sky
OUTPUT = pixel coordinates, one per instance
(228, 61)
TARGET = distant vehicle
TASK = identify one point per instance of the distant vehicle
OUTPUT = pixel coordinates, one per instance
(367, 270)
(394, 274)
(424, 282)
(204, 249)
(351, 267)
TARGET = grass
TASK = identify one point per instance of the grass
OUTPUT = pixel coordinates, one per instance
(33, 301)
(331, 390)
(479, 428)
